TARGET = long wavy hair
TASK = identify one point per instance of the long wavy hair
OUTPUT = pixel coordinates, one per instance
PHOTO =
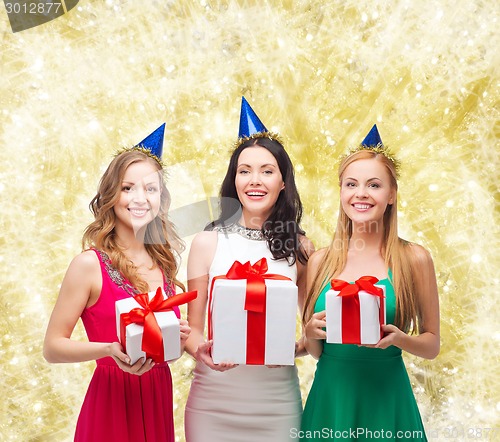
(396, 252)
(161, 241)
(282, 227)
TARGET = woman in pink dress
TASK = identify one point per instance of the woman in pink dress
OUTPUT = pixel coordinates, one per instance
(128, 249)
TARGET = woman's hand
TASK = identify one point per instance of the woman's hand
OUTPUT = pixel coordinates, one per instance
(185, 330)
(315, 325)
(123, 361)
(314, 334)
(392, 336)
(203, 355)
(300, 347)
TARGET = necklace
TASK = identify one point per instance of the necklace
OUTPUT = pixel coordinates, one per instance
(245, 232)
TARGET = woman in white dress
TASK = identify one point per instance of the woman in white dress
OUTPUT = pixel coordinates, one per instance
(230, 402)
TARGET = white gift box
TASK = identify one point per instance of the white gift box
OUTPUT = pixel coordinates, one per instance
(370, 318)
(167, 321)
(229, 321)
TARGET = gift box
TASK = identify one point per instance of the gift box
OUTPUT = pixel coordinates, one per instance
(148, 327)
(355, 312)
(252, 316)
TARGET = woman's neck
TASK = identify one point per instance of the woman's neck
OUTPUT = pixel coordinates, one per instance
(370, 236)
(251, 221)
(365, 254)
(130, 241)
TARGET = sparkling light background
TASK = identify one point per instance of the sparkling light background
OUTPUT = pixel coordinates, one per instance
(321, 73)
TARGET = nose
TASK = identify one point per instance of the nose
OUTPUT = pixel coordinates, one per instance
(255, 179)
(139, 196)
(361, 191)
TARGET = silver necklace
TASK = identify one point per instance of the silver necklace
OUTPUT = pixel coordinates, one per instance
(245, 232)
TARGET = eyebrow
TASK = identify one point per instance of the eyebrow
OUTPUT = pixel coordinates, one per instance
(263, 165)
(369, 179)
(133, 184)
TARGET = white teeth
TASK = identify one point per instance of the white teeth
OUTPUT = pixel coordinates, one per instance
(138, 212)
(362, 206)
(255, 194)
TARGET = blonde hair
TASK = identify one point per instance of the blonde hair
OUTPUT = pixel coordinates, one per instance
(396, 251)
(161, 241)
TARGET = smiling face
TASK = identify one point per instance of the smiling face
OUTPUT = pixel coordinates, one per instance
(258, 182)
(366, 191)
(139, 200)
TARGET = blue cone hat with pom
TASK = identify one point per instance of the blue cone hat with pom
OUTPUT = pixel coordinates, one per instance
(154, 142)
(250, 123)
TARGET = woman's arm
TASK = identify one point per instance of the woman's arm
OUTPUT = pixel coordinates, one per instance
(200, 259)
(78, 289)
(81, 288)
(313, 333)
(308, 247)
(427, 343)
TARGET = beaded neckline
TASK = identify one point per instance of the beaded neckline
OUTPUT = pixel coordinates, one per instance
(245, 232)
(117, 277)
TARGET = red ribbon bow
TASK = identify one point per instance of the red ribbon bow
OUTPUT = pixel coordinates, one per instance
(255, 300)
(255, 305)
(351, 322)
(152, 339)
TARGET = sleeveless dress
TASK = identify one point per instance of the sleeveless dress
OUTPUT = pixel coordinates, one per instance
(120, 406)
(247, 403)
(361, 393)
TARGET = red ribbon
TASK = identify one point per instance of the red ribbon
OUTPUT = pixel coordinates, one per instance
(351, 321)
(255, 305)
(152, 339)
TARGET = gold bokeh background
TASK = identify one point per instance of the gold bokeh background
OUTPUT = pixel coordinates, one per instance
(320, 73)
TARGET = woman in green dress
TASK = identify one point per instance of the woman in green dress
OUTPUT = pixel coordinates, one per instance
(363, 392)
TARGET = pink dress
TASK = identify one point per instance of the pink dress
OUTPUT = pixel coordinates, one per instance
(120, 406)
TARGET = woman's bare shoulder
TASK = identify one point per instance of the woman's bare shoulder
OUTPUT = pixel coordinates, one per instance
(86, 261)
(205, 239)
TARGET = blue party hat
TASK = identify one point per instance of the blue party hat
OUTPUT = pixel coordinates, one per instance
(249, 121)
(373, 138)
(154, 142)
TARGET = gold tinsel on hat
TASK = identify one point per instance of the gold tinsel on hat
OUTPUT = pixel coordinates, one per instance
(381, 149)
(142, 149)
(264, 134)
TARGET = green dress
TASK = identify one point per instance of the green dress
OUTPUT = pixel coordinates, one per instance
(361, 393)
